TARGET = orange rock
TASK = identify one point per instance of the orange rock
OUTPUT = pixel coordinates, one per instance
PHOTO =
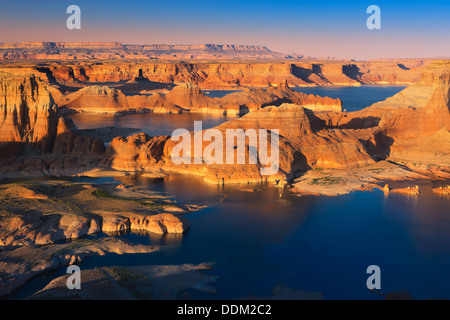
(189, 97)
(30, 120)
(269, 70)
(161, 224)
(414, 191)
(329, 149)
(311, 139)
(442, 190)
(24, 193)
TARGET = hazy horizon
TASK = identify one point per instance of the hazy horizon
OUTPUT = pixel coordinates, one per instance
(409, 29)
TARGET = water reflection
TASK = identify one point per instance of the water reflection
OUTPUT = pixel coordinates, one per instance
(354, 98)
(257, 240)
(151, 123)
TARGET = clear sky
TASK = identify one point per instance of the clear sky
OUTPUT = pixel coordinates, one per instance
(313, 28)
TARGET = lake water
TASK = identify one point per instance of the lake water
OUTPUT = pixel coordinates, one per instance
(153, 124)
(354, 98)
(258, 240)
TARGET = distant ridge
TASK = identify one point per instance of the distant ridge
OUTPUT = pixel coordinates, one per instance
(118, 45)
(61, 51)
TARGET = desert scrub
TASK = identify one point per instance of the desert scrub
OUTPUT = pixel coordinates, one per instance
(134, 281)
(152, 203)
(72, 207)
(326, 181)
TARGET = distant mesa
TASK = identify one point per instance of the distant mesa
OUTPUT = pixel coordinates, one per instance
(116, 50)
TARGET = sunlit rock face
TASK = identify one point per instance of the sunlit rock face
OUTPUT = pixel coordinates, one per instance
(188, 97)
(28, 112)
(412, 124)
(30, 121)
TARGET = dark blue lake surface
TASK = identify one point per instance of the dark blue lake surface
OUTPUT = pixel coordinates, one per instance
(218, 93)
(354, 98)
(153, 124)
(258, 240)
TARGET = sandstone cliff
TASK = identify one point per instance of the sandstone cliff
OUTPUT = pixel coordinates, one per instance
(189, 97)
(412, 125)
(116, 50)
(30, 122)
(302, 146)
(226, 74)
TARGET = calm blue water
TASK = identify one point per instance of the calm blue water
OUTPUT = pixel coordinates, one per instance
(153, 124)
(218, 93)
(258, 240)
(320, 244)
(354, 98)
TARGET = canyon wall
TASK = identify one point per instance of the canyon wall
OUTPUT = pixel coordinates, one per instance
(30, 122)
(231, 75)
(189, 97)
(411, 125)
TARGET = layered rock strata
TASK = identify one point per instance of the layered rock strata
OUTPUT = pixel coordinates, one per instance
(413, 123)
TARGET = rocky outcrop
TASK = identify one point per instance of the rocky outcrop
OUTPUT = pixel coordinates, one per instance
(28, 112)
(162, 223)
(20, 265)
(302, 146)
(153, 282)
(70, 212)
(414, 122)
(30, 122)
(136, 152)
(222, 73)
(116, 50)
(96, 99)
(410, 191)
(443, 191)
(189, 97)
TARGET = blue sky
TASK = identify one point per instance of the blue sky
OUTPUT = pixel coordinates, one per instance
(315, 28)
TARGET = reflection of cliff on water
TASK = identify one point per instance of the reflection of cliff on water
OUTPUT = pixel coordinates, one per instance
(154, 124)
(424, 216)
(261, 210)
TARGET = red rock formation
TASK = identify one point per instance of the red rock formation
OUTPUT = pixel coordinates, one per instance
(189, 97)
(300, 148)
(399, 126)
(414, 122)
(226, 74)
(115, 50)
(30, 121)
(96, 99)
(411, 191)
(443, 191)
(29, 114)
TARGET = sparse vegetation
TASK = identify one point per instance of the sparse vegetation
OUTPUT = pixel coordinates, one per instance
(128, 278)
(328, 180)
(103, 194)
(72, 207)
